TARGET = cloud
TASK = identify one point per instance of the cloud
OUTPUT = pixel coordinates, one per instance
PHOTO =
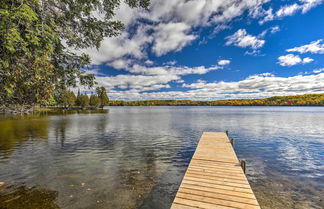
(289, 10)
(315, 47)
(170, 70)
(318, 70)
(149, 62)
(309, 4)
(171, 37)
(145, 78)
(291, 59)
(173, 62)
(268, 16)
(136, 83)
(256, 86)
(307, 60)
(271, 30)
(121, 46)
(224, 62)
(166, 26)
(244, 40)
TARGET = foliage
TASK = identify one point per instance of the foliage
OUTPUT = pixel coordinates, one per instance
(94, 101)
(298, 100)
(66, 98)
(84, 100)
(78, 99)
(102, 94)
(34, 62)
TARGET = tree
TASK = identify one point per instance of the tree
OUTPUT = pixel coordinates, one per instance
(78, 99)
(63, 97)
(84, 100)
(102, 94)
(34, 62)
(71, 98)
(66, 98)
(94, 100)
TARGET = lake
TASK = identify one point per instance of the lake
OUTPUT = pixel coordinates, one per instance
(135, 157)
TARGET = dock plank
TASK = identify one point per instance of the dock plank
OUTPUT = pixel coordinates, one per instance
(214, 178)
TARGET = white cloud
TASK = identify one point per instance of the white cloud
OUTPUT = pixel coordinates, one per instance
(148, 78)
(171, 70)
(224, 62)
(149, 62)
(242, 39)
(270, 30)
(264, 85)
(318, 70)
(309, 4)
(138, 83)
(315, 47)
(307, 60)
(164, 15)
(268, 16)
(123, 45)
(168, 25)
(288, 10)
(173, 62)
(291, 59)
(171, 37)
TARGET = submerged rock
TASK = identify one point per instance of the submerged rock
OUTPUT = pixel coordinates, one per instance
(28, 198)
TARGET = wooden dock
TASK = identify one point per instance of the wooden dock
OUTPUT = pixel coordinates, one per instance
(214, 178)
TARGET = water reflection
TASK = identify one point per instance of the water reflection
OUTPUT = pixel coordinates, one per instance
(135, 157)
(16, 130)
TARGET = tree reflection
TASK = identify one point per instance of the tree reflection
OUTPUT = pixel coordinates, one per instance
(14, 131)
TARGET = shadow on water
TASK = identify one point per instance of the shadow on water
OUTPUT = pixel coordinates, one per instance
(16, 130)
(24, 197)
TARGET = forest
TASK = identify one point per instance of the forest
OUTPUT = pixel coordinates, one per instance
(298, 100)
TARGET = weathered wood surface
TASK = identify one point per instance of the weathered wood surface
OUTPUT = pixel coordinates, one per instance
(214, 178)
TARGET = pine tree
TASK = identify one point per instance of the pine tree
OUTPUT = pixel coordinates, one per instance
(102, 94)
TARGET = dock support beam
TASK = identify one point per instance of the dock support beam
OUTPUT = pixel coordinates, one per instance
(232, 141)
(243, 165)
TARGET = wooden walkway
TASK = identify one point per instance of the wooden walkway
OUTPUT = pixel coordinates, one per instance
(214, 178)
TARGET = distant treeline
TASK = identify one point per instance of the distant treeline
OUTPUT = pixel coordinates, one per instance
(298, 100)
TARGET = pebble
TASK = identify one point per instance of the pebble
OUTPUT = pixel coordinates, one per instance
(2, 184)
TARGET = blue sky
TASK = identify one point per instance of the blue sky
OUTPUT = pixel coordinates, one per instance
(214, 49)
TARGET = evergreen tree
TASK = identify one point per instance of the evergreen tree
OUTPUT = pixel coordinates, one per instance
(84, 100)
(94, 100)
(78, 99)
(62, 98)
(71, 98)
(102, 94)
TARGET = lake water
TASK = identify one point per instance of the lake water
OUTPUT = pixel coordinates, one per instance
(135, 157)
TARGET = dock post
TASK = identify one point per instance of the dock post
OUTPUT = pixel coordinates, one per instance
(226, 132)
(243, 165)
(232, 141)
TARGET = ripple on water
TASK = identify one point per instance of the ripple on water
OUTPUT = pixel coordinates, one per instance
(135, 157)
